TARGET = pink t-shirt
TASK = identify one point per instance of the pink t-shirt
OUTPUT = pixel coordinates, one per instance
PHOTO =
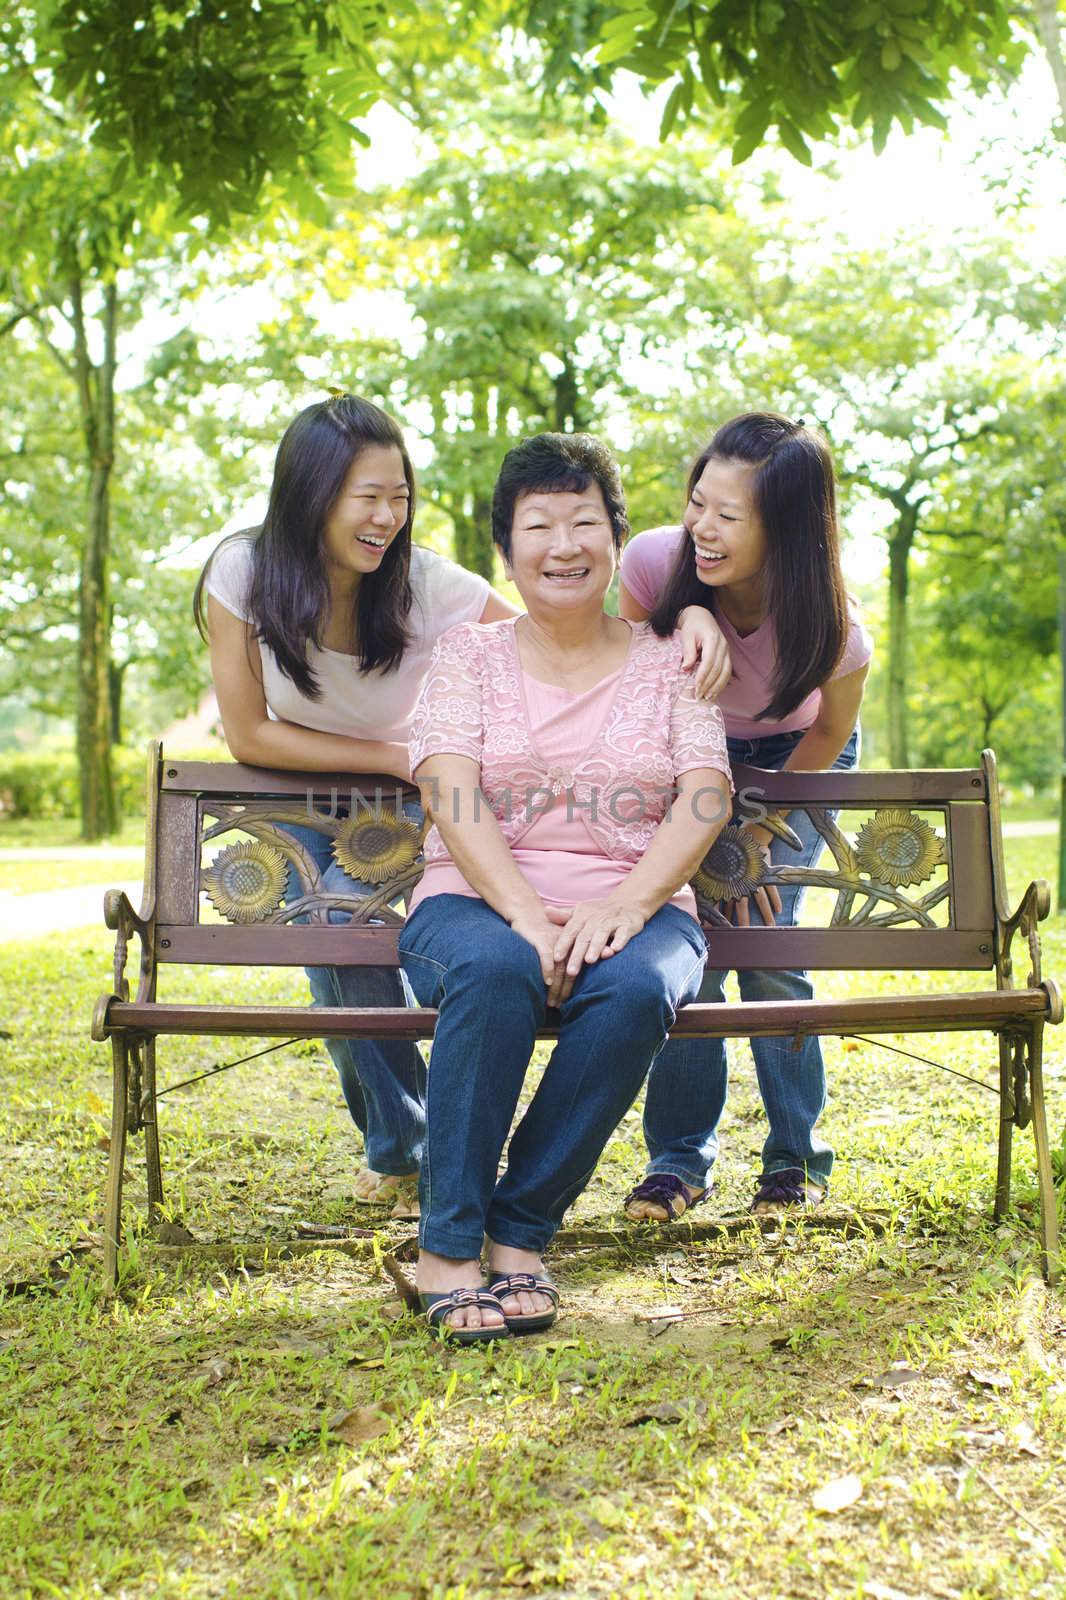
(577, 782)
(646, 564)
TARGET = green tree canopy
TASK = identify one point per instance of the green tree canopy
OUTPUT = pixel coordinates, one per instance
(806, 71)
(216, 102)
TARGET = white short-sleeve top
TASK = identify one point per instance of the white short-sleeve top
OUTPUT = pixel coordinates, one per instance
(360, 705)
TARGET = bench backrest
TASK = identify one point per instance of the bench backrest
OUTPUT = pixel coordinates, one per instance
(911, 875)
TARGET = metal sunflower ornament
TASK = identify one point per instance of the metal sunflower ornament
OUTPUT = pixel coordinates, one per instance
(898, 848)
(732, 868)
(374, 848)
(246, 881)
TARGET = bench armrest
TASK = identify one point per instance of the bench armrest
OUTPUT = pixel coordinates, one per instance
(1032, 908)
(120, 916)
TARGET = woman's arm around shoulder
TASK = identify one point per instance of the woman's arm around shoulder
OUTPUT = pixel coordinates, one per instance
(704, 644)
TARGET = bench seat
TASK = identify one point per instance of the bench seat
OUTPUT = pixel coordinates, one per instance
(988, 1008)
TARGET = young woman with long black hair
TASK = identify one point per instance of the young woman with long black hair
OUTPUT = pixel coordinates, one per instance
(759, 548)
(321, 624)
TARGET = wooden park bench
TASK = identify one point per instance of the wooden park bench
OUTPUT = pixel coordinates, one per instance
(911, 880)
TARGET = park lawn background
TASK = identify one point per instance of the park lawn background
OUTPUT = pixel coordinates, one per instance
(178, 1442)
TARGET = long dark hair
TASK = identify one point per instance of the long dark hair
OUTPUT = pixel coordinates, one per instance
(289, 598)
(795, 495)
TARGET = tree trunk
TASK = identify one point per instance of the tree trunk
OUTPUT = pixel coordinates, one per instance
(473, 529)
(116, 675)
(569, 412)
(96, 393)
(1062, 778)
(988, 717)
(899, 551)
(473, 536)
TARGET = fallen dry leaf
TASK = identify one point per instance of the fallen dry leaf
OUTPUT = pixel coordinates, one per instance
(359, 1424)
(298, 1344)
(985, 1379)
(837, 1494)
(605, 1512)
(1025, 1439)
(985, 1438)
(893, 1378)
(273, 1442)
(782, 1425)
(172, 1233)
(114, 1430)
(355, 1480)
(667, 1411)
(215, 1371)
(882, 1591)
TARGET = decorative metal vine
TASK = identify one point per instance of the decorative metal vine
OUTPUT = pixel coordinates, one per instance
(893, 851)
(270, 877)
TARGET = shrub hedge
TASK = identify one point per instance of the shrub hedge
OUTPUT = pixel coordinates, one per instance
(46, 784)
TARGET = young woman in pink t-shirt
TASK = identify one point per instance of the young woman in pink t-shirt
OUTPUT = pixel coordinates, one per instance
(759, 547)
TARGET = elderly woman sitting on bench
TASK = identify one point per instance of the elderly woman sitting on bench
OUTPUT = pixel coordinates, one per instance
(549, 749)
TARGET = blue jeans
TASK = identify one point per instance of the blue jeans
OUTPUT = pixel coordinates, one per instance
(486, 980)
(687, 1087)
(383, 1081)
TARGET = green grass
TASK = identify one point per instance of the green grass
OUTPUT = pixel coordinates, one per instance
(1032, 808)
(176, 1443)
(38, 877)
(15, 832)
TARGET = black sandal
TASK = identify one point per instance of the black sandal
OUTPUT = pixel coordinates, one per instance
(438, 1306)
(512, 1283)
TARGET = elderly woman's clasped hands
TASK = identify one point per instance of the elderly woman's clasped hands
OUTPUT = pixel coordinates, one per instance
(580, 935)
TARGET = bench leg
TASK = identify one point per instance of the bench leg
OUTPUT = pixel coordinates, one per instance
(1006, 1130)
(116, 1159)
(151, 1135)
(1045, 1177)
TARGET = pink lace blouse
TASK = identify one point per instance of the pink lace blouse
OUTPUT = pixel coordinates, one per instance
(587, 776)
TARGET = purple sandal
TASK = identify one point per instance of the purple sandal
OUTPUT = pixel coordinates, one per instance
(785, 1190)
(662, 1189)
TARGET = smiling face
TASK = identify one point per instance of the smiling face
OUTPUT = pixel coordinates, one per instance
(723, 522)
(368, 513)
(562, 549)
